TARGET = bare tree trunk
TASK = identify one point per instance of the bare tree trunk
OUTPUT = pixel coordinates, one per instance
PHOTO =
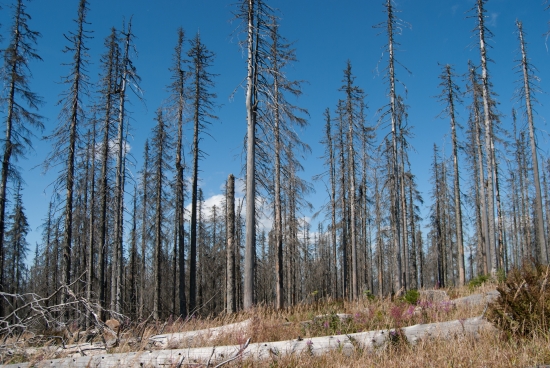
(144, 233)
(527, 250)
(541, 234)
(353, 207)
(109, 93)
(116, 272)
(398, 281)
(133, 259)
(438, 216)
(279, 284)
(489, 143)
(452, 89)
(230, 202)
(91, 227)
(159, 147)
(486, 249)
(379, 252)
(250, 254)
(412, 214)
(404, 232)
(343, 221)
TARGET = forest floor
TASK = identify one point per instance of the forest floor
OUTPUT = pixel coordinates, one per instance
(308, 324)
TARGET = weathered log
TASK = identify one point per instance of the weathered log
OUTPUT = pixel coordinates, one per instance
(184, 338)
(477, 299)
(267, 350)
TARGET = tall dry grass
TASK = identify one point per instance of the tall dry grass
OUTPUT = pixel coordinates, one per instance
(321, 319)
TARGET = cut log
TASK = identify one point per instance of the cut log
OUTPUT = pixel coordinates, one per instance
(477, 299)
(184, 338)
(434, 296)
(267, 350)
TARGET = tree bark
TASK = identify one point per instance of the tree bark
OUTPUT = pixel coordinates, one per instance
(541, 234)
(250, 245)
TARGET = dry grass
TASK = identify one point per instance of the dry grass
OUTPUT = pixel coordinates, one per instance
(320, 319)
(487, 351)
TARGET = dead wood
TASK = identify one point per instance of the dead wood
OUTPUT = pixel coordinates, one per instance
(365, 341)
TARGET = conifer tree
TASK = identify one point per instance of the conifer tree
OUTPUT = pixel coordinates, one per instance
(66, 135)
(449, 97)
(19, 101)
(160, 157)
(526, 95)
(202, 104)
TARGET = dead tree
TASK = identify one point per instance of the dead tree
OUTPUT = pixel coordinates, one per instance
(107, 90)
(450, 96)
(177, 105)
(20, 122)
(231, 245)
(202, 105)
(526, 95)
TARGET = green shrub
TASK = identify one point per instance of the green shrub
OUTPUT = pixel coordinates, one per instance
(478, 281)
(523, 306)
(411, 296)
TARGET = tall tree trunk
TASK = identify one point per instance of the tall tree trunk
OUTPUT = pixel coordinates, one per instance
(109, 93)
(398, 281)
(116, 272)
(251, 106)
(486, 249)
(91, 226)
(451, 91)
(279, 284)
(230, 202)
(541, 234)
(178, 88)
(133, 259)
(343, 209)
(144, 224)
(489, 142)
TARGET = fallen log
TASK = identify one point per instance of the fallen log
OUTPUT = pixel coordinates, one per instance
(477, 299)
(269, 350)
(184, 338)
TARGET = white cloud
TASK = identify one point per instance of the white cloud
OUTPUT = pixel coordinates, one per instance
(454, 8)
(492, 21)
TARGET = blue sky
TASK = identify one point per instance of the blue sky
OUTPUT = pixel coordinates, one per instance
(326, 34)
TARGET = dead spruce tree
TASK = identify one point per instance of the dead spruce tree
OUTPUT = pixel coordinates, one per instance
(129, 81)
(255, 19)
(329, 162)
(145, 218)
(201, 104)
(231, 245)
(476, 146)
(526, 94)
(488, 116)
(350, 111)
(20, 122)
(176, 109)
(393, 26)
(160, 157)
(108, 86)
(65, 136)
(450, 96)
(282, 119)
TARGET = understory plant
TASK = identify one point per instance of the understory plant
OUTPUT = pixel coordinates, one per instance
(523, 306)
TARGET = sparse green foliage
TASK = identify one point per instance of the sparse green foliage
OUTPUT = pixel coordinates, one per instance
(477, 281)
(411, 296)
(523, 307)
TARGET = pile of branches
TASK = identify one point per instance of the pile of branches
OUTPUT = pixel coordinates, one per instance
(33, 315)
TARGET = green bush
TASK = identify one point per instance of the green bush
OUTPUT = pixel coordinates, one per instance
(523, 306)
(411, 296)
(478, 281)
